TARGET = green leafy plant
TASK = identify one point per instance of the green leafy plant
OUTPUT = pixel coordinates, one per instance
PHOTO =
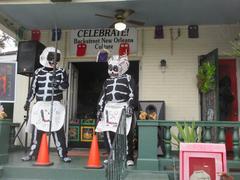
(206, 77)
(187, 133)
(235, 45)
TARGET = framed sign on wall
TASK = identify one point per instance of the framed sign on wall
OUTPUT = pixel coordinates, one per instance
(7, 81)
(87, 133)
(73, 133)
(91, 122)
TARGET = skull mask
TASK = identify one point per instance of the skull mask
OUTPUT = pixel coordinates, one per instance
(48, 55)
(117, 65)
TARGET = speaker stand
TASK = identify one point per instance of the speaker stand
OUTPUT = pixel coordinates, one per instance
(23, 123)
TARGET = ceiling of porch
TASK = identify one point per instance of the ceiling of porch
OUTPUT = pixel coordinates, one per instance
(46, 15)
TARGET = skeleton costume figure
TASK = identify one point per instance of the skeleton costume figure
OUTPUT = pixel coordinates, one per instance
(44, 87)
(118, 88)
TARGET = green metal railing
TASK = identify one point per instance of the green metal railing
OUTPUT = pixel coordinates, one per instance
(116, 165)
(212, 131)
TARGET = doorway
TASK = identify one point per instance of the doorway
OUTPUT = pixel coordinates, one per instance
(89, 77)
(228, 97)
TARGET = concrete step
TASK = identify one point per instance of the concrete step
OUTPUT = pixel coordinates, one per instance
(144, 175)
(50, 173)
(17, 169)
(17, 179)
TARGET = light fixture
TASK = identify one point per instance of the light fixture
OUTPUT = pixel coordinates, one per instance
(163, 65)
(120, 26)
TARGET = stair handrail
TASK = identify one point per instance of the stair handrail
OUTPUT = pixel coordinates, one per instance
(116, 166)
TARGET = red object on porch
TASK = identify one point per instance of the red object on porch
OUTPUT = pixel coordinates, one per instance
(36, 34)
(43, 154)
(124, 49)
(81, 49)
(94, 155)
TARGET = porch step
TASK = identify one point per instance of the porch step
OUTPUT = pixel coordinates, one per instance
(143, 175)
(15, 169)
(50, 173)
(17, 179)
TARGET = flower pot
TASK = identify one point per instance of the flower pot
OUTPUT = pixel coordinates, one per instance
(4, 140)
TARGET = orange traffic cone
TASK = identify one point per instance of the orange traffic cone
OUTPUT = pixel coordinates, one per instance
(94, 155)
(43, 154)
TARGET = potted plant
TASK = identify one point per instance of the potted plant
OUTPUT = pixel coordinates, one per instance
(206, 77)
(235, 45)
(187, 134)
(4, 136)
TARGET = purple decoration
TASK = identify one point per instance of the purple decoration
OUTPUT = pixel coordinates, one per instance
(159, 32)
(102, 56)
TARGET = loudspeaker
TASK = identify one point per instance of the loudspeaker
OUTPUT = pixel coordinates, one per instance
(28, 57)
(153, 106)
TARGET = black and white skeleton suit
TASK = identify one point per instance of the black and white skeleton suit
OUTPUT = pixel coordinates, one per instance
(42, 85)
(118, 88)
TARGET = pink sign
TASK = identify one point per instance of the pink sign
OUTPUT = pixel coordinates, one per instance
(202, 161)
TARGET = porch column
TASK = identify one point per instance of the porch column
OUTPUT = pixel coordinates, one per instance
(147, 145)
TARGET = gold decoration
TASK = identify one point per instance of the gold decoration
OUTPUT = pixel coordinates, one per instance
(147, 116)
(2, 113)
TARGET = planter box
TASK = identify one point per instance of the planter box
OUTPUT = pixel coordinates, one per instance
(4, 140)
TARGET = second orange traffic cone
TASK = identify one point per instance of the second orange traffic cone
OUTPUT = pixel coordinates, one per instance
(43, 154)
(94, 155)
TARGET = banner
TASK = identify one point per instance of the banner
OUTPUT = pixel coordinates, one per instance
(87, 42)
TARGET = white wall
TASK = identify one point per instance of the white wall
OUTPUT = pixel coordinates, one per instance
(177, 86)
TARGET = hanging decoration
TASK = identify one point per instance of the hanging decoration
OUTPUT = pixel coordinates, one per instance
(124, 49)
(174, 35)
(57, 32)
(81, 49)
(36, 34)
(193, 31)
(159, 32)
(102, 55)
(20, 33)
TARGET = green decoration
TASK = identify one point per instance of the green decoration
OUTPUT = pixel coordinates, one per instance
(235, 47)
(187, 134)
(206, 77)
